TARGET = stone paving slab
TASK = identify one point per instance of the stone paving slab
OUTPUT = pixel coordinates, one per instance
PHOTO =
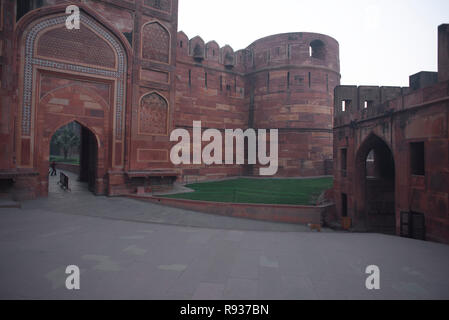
(81, 202)
(128, 249)
(131, 260)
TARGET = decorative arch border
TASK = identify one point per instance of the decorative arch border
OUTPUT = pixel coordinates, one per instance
(168, 114)
(38, 38)
(31, 62)
(156, 21)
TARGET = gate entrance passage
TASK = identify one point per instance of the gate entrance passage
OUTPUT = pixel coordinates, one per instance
(376, 172)
(74, 149)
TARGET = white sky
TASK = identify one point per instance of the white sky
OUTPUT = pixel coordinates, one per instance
(382, 42)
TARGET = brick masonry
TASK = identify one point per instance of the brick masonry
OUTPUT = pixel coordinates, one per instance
(392, 121)
(272, 84)
(131, 78)
(264, 212)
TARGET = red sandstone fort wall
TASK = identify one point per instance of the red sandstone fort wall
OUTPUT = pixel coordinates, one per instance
(210, 89)
(168, 82)
(8, 81)
(272, 84)
(410, 117)
(293, 91)
(147, 32)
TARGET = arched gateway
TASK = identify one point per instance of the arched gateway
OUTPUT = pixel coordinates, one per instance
(375, 170)
(71, 75)
(129, 77)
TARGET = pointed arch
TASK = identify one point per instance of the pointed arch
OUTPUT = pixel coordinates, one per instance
(183, 42)
(197, 47)
(88, 151)
(85, 47)
(35, 59)
(375, 186)
(155, 42)
(372, 141)
(81, 123)
(212, 50)
(153, 114)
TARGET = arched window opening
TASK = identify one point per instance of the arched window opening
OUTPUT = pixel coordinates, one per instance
(317, 50)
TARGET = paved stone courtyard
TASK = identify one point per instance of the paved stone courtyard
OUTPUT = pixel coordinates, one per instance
(128, 249)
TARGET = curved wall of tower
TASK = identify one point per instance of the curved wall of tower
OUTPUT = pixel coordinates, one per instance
(164, 81)
(291, 82)
(283, 82)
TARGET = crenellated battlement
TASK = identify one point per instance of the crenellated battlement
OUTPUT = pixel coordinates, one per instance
(354, 104)
(283, 81)
(299, 49)
(169, 81)
(359, 102)
(196, 50)
(288, 50)
(390, 147)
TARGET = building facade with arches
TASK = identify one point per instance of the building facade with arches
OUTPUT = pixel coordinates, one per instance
(391, 154)
(129, 78)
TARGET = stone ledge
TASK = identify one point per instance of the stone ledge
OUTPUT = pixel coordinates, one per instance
(152, 173)
(9, 204)
(265, 212)
(15, 174)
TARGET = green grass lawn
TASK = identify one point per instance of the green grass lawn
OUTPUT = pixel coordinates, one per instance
(266, 191)
(61, 159)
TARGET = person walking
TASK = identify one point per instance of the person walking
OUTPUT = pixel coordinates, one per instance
(53, 169)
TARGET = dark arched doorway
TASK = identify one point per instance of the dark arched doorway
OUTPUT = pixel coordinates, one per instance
(88, 158)
(74, 149)
(376, 179)
(58, 86)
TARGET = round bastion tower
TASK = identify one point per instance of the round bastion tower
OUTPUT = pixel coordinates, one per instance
(291, 80)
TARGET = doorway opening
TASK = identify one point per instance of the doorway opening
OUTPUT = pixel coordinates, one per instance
(377, 168)
(74, 151)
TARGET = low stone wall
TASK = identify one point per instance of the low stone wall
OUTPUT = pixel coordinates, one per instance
(22, 185)
(74, 168)
(265, 212)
